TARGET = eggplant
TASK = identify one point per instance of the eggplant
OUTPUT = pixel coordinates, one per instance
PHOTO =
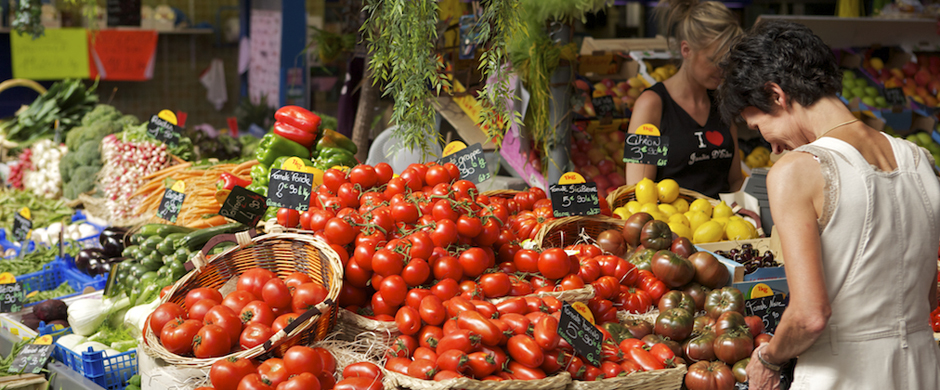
(112, 246)
(85, 256)
(116, 233)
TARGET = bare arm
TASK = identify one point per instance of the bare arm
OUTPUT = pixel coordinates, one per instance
(795, 216)
(648, 109)
(735, 176)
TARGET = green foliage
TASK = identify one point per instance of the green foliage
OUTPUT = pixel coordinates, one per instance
(27, 18)
(500, 20)
(66, 101)
(128, 120)
(82, 180)
(87, 154)
(101, 113)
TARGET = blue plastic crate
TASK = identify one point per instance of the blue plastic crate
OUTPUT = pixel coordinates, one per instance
(110, 372)
(56, 272)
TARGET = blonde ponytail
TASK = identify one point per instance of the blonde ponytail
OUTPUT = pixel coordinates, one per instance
(698, 23)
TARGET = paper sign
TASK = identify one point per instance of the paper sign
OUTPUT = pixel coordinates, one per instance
(123, 55)
(648, 129)
(584, 310)
(453, 147)
(32, 358)
(571, 178)
(574, 199)
(7, 277)
(646, 149)
(162, 127)
(581, 334)
(22, 224)
(895, 96)
(244, 206)
(290, 189)
(11, 297)
(59, 54)
(293, 164)
(471, 162)
(769, 309)
(171, 204)
(604, 106)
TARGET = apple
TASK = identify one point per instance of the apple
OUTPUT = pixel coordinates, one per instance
(583, 144)
(596, 154)
(589, 109)
(934, 86)
(922, 77)
(897, 73)
(930, 101)
(612, 147)
(922, 92)
(601, 181)
(617, 137)
(608, 83)
(616, 180)
(871, 92)
(599, 93)
(880, 101)
(590, 170)
(582, 85)
(869, 101)
(606, 166)
(636, 83)
(909, 69)
(580, 159)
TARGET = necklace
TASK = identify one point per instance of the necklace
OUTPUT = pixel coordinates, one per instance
(836, 127)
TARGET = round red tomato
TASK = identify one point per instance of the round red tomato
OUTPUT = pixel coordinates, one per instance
(706, 375)
(257, 311)
(211, 341)
(447, 267)
(554, 263)
(164, 313)
(495, 285)
(282, 321)
(276, 293)
(198, 294)
(431, 309)
(307, 296)
(226, 373)
(416, 272)
(474, 262)
(253, 382)
(329, 362)
(199, 309)
(273, 371)
(226, 319)
(394, 289)
(177, 335)
(288, 217)
(408, 320)
(253, 280)
(304, 381)
(299, 359)
(357, 383)
(386, 262)
(254, 334)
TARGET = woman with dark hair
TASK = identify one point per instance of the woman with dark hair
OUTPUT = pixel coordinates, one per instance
(858, 214)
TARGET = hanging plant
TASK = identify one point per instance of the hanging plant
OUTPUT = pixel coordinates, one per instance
(27, 17)
(500, 20)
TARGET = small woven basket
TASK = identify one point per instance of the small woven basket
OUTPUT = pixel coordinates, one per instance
(624, 194)
(506, 194)
(354, 327)
(565, 231)
(577, 295)
(559, 381)
(281, 253)
(650, 316)
(668, 379)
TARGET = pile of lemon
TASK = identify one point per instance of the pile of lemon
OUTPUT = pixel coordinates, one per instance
(758, 158)
(698, 221)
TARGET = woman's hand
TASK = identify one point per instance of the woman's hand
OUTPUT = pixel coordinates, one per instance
(760, 377)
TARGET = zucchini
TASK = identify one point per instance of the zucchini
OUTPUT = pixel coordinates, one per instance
(168, 245)
(151, 243)
(162, 230)
(197, 239)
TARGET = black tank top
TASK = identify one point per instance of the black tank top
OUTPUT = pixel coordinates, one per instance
(699, 157)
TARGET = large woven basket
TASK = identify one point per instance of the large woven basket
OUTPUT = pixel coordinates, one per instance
(565, 231)
(281, 253)
(577, 295)
(559, 381)
(354, 327)
(668, 379)
(506, 194)
(624, 194)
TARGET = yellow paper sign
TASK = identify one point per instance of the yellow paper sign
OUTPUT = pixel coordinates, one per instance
(648, 129)
(25, 213)
(168, 116)
(179, 186)
(761, 290)
(294, 164)
(584, 310)
(44, 340)
(454, 147)
(317, 175)
(60, 53)
(571, 178)
(7, 277)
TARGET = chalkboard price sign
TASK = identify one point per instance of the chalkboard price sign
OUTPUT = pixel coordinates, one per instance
(244, 206)
(32, 358)
(581, 334)
(769, 309)
(574, 199)
(604, 106)
(471, 163)
(170, 205)
(21, 226)
(895, 96)
(646, 149)
(163, 131)
(11, 297)
(290, 189)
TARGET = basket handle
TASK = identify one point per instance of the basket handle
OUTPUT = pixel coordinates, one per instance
(748, 213)
(200, 260)
(295, 323)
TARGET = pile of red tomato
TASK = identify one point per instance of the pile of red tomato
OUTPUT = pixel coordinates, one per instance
(208, 325)
(301, 368)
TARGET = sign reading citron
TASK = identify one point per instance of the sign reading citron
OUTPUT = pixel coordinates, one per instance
(667, 190)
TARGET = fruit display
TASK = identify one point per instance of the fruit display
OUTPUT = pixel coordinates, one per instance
(920, 79)
(624, 92)
(599, 158)
(854, 86)
(924, 140)
(751, 258)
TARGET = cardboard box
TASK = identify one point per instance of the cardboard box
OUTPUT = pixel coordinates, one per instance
(610, 58)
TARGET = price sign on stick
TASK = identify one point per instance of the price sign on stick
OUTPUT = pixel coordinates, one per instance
(580, 333)
(244, 206)
(769, 309)
(646, 146)
(290, 186)
(172, 202)
(604, 106)
(469, 160)
(33, 357)
(162, 127)
(22, 225)
(572, 196)
(895, 96)
(11, 297)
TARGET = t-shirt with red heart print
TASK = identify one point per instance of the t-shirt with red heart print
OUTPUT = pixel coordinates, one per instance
(699, 157)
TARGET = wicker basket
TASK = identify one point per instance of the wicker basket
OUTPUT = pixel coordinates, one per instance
(624, 194)
(577, 295)
(565, 231)
(556, 382)
(282, 253)
(354, 327)
(506, 194)
(650, 316)
(668, 379)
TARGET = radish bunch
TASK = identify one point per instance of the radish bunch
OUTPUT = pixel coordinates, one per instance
(126, 163)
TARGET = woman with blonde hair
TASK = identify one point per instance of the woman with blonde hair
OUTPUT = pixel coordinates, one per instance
(703, 150)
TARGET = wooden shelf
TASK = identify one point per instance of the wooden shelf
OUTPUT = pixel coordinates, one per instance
(840, 33)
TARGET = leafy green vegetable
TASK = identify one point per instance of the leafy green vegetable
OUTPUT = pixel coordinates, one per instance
(63, 289)
(43, 211)
(67, 101)
(109, 335)
(138, 133)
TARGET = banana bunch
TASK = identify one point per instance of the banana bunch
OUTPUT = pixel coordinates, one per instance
(759, 157)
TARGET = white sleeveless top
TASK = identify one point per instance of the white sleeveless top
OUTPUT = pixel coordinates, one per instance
(879, 233)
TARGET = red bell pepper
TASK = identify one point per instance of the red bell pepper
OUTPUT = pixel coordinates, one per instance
(228, 181)
(292, 133)
(298, 117)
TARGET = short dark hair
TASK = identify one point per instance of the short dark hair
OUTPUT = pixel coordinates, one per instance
(780, 52)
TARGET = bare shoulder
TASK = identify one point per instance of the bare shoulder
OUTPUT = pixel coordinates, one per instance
(793, 168)
(647, 109)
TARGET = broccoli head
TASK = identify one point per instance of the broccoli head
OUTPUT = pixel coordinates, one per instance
(101, 113)
(92, 132)
(83, 180)
(128, 120)
(87, 155)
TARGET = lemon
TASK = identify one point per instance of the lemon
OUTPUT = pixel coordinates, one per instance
(651, 208)
(622, 212)
(697, 219)
(679, 218)
(739, 230)
(668, 190)
(633, 206)
(681, 204)
(710, 231)
(722, 210)
(646, 191)
(701, 205)
(659, 216)
(681, 230)
(667, 209)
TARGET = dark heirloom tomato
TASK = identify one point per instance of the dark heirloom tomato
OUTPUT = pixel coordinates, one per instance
(641, 259)
(709, 376)
(703, 324)
(728, 321)
(733, 346)
(638, 328)
(675, 323)
(740, 370)
(709, 272)
(633, 227)
(754, 324)
(700, 347)
(698, 294)
(673, 270)
(725, 299)
(682, 247)
(676, 298)
(656, 235)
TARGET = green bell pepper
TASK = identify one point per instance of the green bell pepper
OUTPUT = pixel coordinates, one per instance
(258, 188)
(271, 213)
(332, 139)
(336, 156)
(273, 146)
(259, 174)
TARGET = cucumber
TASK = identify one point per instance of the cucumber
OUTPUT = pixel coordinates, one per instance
(197, 239)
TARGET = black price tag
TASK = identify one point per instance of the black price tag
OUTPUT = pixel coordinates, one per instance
(21, 227)
(604, 106)
(646, 149)
(11, 297)
(574, 199)
(581, 334)
(32, 358)
(471, 163)
(290, 189)
(895, 96)
(170, 205)
(769, 309)
(163, 131)
(244, 206)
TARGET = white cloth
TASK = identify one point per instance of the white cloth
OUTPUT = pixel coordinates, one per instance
(879, 233)
(213, 79)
